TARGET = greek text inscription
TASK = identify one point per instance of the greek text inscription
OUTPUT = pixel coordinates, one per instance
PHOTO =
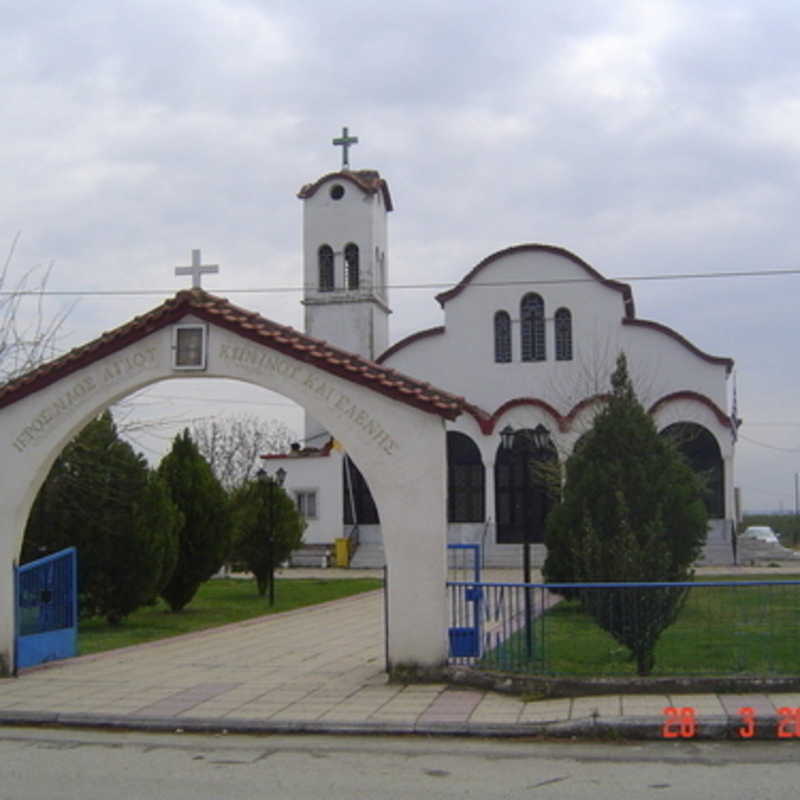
(255, 360)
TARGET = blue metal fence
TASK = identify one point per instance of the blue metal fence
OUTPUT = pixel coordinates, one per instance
(47, 609)
(464, 563)
(721, 627)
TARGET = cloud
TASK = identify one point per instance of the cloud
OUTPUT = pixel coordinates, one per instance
(647, 137)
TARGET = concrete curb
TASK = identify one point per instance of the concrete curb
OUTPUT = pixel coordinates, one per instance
(718, 728)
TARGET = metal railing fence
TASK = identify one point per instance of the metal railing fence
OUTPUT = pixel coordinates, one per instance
(700, 627)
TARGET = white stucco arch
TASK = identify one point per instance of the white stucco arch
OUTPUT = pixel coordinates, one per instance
(392, 425)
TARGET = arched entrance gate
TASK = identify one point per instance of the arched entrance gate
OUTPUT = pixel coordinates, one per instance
(392, 425)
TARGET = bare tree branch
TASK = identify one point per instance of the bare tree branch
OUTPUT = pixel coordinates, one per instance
(27, 335)
(232, 445)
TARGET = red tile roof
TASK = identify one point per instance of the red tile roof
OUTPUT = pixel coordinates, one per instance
(368, 180)
(249, 325)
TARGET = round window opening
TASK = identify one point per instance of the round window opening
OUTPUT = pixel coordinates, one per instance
(337, 191)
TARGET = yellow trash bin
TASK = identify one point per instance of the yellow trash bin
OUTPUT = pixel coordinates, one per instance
(342, 553)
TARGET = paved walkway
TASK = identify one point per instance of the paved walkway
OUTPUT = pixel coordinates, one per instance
(321, 669)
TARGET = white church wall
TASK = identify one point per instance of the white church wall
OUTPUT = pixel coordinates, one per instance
(322, 475)
(350, 326)
(462, 357)
(665, 365)
(466, 348)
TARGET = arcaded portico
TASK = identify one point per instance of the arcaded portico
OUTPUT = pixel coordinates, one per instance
(392, 425)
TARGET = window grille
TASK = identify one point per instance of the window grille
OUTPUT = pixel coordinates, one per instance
(326, 283)
(532, 328)
(189, 347)
(351, 266)
(563, 326)
(306, 501)
(502, 337)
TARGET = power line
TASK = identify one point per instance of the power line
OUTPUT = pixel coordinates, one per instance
(765, 273)
(770, 446)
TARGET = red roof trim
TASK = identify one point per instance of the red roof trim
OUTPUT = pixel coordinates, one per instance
(623, 288)
(487, 422)
(696, 397)
(369, 181)
(657, 326)
(247, 325)
(424, 334)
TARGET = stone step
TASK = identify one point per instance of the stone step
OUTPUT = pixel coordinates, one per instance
(312, 555)
(368, 556)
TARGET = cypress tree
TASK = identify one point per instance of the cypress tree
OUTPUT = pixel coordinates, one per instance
(205, 530)
(268, 527)
(632, 511)
(101, 497)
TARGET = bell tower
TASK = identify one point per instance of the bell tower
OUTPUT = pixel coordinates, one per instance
(345, 260)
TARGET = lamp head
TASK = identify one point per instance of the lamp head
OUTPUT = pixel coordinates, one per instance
(507, 437)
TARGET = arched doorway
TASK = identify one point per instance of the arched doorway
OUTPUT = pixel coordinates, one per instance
(701, 451)
(526, 486)
(393, 426)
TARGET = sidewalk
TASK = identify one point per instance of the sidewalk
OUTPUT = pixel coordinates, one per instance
(321, 670)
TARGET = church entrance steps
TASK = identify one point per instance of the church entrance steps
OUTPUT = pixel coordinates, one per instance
(368, 555)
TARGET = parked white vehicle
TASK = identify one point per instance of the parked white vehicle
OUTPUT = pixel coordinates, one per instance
(763, 533)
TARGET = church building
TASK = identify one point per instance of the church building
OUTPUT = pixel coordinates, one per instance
(529, 338)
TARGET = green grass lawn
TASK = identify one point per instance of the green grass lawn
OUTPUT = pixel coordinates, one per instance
(217, 602)
(718, 632)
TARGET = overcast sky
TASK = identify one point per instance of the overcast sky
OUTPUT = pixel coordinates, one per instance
(649, 138)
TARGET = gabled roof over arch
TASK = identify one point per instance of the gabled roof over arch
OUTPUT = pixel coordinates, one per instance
(439, 329)
(368, 180)
(249, 325)
(623, 288)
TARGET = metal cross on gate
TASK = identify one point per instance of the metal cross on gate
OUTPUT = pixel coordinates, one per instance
(345, 142)
(197, 270)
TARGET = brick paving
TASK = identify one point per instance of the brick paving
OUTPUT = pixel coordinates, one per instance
(318, 668)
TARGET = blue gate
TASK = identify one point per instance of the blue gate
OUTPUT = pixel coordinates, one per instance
(47, 609)
(464, 564)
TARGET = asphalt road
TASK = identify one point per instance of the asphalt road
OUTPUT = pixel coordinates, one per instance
(100, 765)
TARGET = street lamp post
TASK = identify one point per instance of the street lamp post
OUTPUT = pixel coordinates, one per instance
(540, 438)
(265, 479)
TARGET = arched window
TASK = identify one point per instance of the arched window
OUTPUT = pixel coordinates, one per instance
(325, 259)
(502, 337)
(563, 335)
(701, 451)
(465, 479)
(532, 328)
(351, 266)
